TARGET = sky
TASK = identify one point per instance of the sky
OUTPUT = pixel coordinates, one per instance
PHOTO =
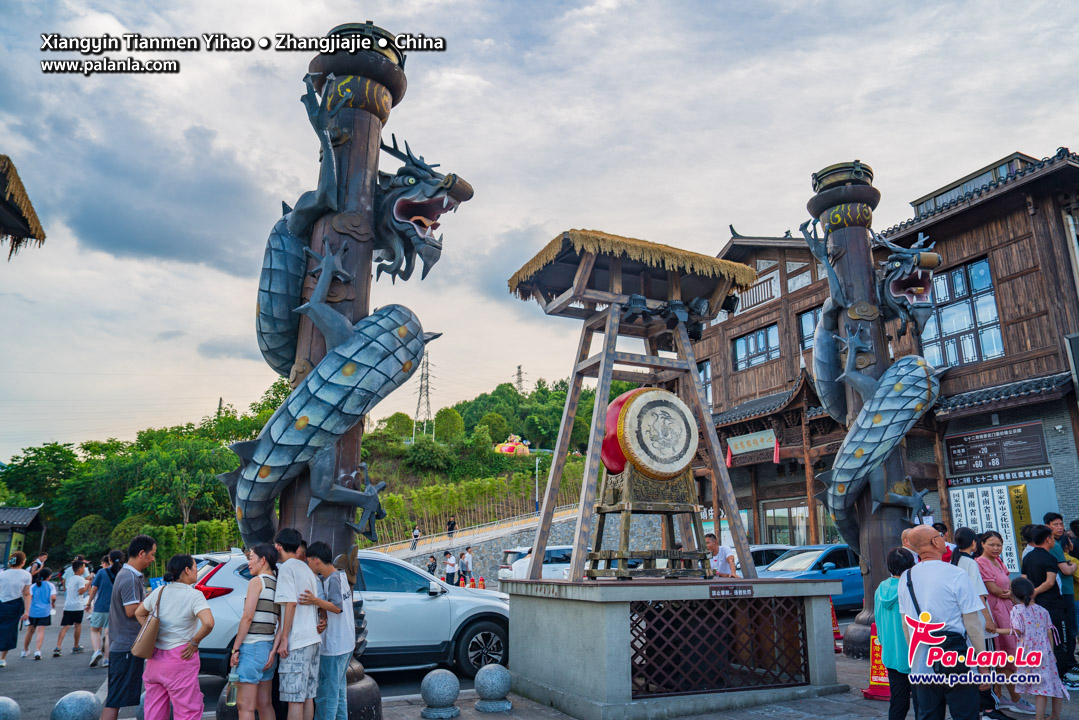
(664, 121)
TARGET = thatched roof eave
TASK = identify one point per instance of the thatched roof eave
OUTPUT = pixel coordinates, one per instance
(22, 226)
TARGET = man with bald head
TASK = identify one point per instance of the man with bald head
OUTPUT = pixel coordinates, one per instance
(904, 540)
(948, 595)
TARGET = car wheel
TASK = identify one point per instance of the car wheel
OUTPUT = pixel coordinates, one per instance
(481, 644)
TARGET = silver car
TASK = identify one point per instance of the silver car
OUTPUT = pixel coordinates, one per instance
(405, 618)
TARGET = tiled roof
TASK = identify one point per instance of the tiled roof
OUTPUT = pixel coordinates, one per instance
(17, 516)
(1008, 391)
(753, 408)
(1062, 155)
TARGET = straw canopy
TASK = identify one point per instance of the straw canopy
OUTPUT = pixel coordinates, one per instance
(18, 221)
(569, 246)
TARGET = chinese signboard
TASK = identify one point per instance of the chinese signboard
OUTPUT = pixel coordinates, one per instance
(995, 449)
(729, 591)
(1004, 508)
(998, 477)
(754, 441)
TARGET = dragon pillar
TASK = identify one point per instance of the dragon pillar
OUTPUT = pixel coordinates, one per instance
(868, 494)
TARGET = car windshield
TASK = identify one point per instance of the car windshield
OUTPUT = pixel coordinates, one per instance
(796, 560)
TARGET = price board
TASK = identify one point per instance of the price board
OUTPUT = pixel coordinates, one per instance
(999, 448)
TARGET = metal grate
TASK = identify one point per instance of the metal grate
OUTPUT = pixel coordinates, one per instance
(696, 646)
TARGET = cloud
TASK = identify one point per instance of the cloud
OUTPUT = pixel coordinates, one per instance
(244, 348)
(170, 334)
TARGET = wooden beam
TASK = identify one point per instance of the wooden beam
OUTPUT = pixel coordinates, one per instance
(942, 482)
(811, 503)
(614, 273)
(635, 359)
(580, 284)
(723, 289)
(674, 285)
(704, 419)
(585, 509)
(558, 461)
(758, 524)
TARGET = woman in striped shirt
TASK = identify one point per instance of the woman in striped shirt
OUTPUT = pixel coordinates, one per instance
(254, 655)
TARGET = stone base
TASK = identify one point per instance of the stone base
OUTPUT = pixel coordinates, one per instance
(440, 713)
(493, 706)
(856, 638)
(584, 708)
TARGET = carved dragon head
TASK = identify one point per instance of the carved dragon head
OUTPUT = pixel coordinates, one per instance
(905, 284)
(408, 206)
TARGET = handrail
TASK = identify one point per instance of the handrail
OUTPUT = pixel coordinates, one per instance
(470, 531)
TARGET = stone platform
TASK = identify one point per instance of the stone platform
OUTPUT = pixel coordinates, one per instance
(606, 649)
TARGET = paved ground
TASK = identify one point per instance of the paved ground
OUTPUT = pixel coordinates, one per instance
(37, 685)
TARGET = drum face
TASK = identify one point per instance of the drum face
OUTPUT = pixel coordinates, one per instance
(657, 433)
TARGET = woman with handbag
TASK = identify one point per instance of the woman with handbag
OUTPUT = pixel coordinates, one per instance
(175, 618)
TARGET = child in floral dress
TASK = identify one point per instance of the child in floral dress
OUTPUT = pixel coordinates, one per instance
(1034, 628)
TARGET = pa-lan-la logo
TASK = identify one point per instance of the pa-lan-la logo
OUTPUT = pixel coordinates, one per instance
(923, 632)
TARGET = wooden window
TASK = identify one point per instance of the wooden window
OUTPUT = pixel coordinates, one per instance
(965, 327)
(757, 347)
(704, 370)
(807, 325)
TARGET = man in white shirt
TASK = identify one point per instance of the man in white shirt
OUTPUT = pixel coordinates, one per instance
(466, 571)
(73, 607)
(339, 640)
(947, 594)
(298, 635)
(451, 567)
(722, 557)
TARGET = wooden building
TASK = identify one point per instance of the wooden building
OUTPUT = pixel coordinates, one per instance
(1002, 440)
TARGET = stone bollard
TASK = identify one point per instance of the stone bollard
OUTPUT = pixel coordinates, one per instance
(439, 690)
(78, 705)
(493, 685)
(9, 709)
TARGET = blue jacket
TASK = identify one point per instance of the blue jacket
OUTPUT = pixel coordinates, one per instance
(893, 643)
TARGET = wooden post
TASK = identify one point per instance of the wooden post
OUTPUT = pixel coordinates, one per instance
(708, 428)
(811, 504)
(558, 461)
(595, 441)
(942, 479)
(758, 519)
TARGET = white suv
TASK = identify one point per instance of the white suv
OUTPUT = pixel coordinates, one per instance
(412, 620)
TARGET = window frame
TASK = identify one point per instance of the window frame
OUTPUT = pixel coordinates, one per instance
(805, 342)
(424, 583)
(768, 354)
(958, 282)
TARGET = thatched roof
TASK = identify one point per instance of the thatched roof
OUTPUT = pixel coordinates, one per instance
(18, 221)
(569, 246)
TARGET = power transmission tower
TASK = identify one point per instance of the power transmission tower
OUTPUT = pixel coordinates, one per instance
(423, 397)
(520, 381)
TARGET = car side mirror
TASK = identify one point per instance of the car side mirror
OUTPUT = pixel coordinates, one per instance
(434, 589)
(827, 566)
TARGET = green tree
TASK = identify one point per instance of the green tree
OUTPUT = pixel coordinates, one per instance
(448, 424)
(398, 425)
(179, 482)
(121, 535)
(38, 472)
(497, 427)
(89, 536)
(9, 498)
(426, 455)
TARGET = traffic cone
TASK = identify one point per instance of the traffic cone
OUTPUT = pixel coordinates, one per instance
(878, 674)
(472, 582)
(443, 578)
(462, 581)
(837, 637)
(483, 585)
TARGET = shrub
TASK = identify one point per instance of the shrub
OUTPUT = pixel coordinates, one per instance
(128, 528)
(89, 536)
(427, 455)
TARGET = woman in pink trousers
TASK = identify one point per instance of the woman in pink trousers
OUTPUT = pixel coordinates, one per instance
(172, 674)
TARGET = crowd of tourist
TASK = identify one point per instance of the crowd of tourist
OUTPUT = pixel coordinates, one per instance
(297, 624)
(965, 584)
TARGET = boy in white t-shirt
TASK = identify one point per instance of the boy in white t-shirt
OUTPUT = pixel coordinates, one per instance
(74, 605)
(339, 640)
(298, 633)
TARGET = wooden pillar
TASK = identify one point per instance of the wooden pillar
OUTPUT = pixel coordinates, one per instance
(558, 461)
(586, 509)
(758, 516)
(942, 479)
(811, 502)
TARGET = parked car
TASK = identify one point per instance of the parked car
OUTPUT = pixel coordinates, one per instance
(822, 562)
(405, 618)
(763, 556)
(510, 556)
(555, 560)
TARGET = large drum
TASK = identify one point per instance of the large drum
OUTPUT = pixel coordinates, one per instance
(651, 429)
